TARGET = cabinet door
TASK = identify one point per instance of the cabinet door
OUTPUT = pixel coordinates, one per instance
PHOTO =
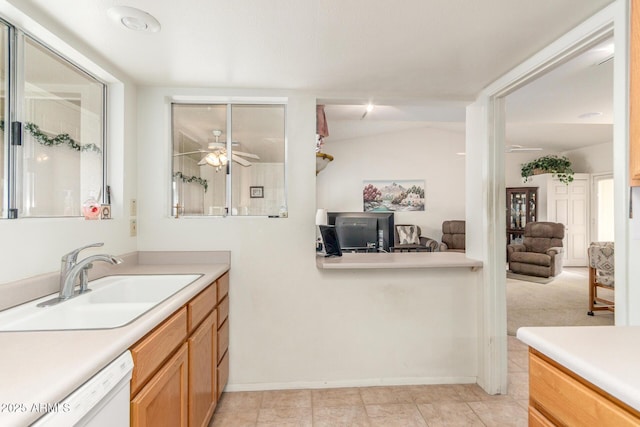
(202, 372)
(163, 400)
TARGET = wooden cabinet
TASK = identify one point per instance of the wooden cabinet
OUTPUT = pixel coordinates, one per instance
(150, 353)
(203, 390)
(223, 333)
(163, 401)
(522, 208)
(558, 396)
(181, 367)
(634, 96)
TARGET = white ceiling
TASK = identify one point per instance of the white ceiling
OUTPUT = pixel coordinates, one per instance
(418, 55)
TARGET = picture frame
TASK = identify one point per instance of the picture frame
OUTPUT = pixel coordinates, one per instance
(397, 195)
(256, 192)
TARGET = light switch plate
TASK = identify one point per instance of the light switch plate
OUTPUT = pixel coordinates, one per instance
(133, 228)
(134, 207)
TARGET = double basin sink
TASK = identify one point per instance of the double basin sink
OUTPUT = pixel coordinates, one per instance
(112, 301)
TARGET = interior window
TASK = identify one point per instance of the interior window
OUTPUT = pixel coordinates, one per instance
(228, 159)
(4, 30)
(62, 127)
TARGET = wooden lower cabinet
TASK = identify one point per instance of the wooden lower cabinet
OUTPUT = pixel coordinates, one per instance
(180, 367)
(558, 396)
(203, 390)
(163, 400)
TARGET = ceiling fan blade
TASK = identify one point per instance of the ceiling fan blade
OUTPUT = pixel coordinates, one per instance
(240, 160)
(189, 152)
(249, 155)
(523, 149)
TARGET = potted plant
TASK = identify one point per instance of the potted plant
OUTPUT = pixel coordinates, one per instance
(558, 166)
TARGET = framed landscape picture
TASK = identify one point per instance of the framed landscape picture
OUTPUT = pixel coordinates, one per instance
(393, 195)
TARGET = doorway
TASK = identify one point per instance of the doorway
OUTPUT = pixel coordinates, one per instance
(485, 178)
(602, 212)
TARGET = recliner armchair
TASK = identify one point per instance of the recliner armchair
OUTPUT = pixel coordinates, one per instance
(541, 252)
(453, 236)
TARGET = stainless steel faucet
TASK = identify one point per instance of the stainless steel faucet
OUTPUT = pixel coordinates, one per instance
(72, 269)
(79, 269)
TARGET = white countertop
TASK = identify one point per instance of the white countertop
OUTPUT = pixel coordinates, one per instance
(606, 356)
(397, 260)
(44, 367)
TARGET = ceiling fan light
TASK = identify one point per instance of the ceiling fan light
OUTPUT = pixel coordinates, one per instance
(211, 159)
(223, 159)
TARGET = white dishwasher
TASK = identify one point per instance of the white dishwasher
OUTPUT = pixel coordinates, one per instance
(102, 401)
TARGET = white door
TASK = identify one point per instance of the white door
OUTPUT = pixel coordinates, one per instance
(569, 204)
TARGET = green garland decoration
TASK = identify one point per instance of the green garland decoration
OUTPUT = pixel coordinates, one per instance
(194, 178)
(60, 139)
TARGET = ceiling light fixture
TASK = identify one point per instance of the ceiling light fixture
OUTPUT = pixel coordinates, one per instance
(368, 109)
(134, 19)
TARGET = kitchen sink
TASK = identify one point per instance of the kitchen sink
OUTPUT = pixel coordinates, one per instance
(112, 302)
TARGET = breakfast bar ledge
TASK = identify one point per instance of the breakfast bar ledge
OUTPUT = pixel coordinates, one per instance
(397, 260)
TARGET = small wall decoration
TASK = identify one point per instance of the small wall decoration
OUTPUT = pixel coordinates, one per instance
(393, 195)
(105, 212)
(256, 192)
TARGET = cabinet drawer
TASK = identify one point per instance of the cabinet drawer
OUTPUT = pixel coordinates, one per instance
(564, 399)
(149, 353)
(223, 340)
(200, 306)
(223, 310)
(223, 373)
(223, 286)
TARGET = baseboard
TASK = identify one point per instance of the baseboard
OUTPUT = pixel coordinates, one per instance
(373, 382)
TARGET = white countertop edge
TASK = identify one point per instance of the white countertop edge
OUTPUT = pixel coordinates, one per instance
(69, 352)
(397, 260)
(599, 372)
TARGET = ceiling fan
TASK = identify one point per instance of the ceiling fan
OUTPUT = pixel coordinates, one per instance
(515, 148)
(216, 154)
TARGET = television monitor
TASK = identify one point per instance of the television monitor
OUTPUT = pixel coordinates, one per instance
(385, 223)
(330, 240)
(356, 233)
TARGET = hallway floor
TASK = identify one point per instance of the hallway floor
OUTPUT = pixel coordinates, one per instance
(402, 406)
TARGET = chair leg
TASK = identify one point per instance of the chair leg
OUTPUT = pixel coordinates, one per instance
(592, 289)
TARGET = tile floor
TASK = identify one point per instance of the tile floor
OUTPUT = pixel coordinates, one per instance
(403, 406)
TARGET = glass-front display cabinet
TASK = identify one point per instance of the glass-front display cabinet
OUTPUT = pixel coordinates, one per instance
(521, 209)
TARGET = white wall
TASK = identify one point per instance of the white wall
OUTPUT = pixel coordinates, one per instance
(594, 159)
(34, 246)
(293, 325)
(417, 154)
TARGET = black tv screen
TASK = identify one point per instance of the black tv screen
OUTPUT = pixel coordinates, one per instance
(385, 222)
(357, 232)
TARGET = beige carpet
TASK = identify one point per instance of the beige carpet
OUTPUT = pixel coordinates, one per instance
(562, 302)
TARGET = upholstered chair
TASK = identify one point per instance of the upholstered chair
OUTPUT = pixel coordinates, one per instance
(540, 253)
(407, 238)
(601, 275)
(453, 236)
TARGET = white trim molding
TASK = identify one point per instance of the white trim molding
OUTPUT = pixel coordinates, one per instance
(485, 179)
